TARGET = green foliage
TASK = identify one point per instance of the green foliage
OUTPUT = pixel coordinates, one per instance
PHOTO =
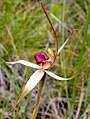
(24, 30)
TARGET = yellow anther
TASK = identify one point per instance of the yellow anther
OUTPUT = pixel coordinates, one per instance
(50, 51)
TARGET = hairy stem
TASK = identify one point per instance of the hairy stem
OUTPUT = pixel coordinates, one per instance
(41, 83)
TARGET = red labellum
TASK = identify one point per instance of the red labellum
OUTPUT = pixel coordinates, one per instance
(40, 57)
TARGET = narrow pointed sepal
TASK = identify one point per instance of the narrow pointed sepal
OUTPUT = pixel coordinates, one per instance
(32, 82)
(26, 63)
(57, 77)
(59, 50)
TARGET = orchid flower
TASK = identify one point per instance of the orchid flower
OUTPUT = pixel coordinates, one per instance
(44, 63)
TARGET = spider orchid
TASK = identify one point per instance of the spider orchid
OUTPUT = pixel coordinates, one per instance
(44, 63)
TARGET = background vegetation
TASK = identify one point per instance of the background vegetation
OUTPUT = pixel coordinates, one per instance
(24, 30)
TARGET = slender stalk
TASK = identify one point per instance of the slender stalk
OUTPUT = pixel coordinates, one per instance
(63, 54)
(41, 83)
(55, 36)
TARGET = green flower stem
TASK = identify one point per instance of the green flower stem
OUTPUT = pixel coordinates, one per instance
(41, 83)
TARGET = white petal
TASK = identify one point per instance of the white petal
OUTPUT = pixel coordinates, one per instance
(32, 82)
(34, 79)
(56, 77)
(59, 50)
(26, 63)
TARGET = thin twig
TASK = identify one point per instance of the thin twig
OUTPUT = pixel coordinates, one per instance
(80, 103)
(11, 37)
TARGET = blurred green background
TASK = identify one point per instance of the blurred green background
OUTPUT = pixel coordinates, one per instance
(24, 31)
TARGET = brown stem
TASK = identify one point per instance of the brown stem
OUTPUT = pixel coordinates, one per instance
(55, 36)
